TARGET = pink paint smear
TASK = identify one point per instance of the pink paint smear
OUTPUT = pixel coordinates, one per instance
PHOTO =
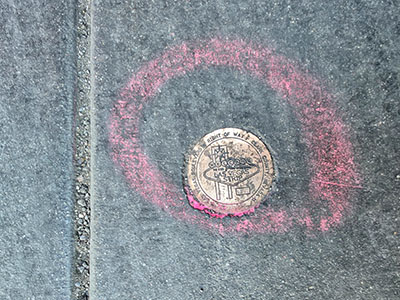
(331, 162)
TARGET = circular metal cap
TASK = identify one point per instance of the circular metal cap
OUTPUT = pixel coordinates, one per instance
(229, 171)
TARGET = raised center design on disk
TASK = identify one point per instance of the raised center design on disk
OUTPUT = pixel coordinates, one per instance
(229, 171)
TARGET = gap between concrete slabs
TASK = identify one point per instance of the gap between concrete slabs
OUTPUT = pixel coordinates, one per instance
(82, 152)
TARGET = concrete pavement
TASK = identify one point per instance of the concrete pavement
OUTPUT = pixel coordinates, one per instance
(103, 102)
(37, 71)
(163, 81)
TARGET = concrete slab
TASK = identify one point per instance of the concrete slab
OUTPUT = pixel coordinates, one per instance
(318, 81)
(36, 116)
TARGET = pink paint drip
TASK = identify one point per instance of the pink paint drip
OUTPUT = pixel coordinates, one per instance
(197, 205)
(330, 152)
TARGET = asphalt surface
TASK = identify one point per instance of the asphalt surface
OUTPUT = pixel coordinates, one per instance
(37, 74)
(142, 251)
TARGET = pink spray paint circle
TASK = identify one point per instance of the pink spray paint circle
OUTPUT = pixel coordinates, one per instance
(330, 154)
